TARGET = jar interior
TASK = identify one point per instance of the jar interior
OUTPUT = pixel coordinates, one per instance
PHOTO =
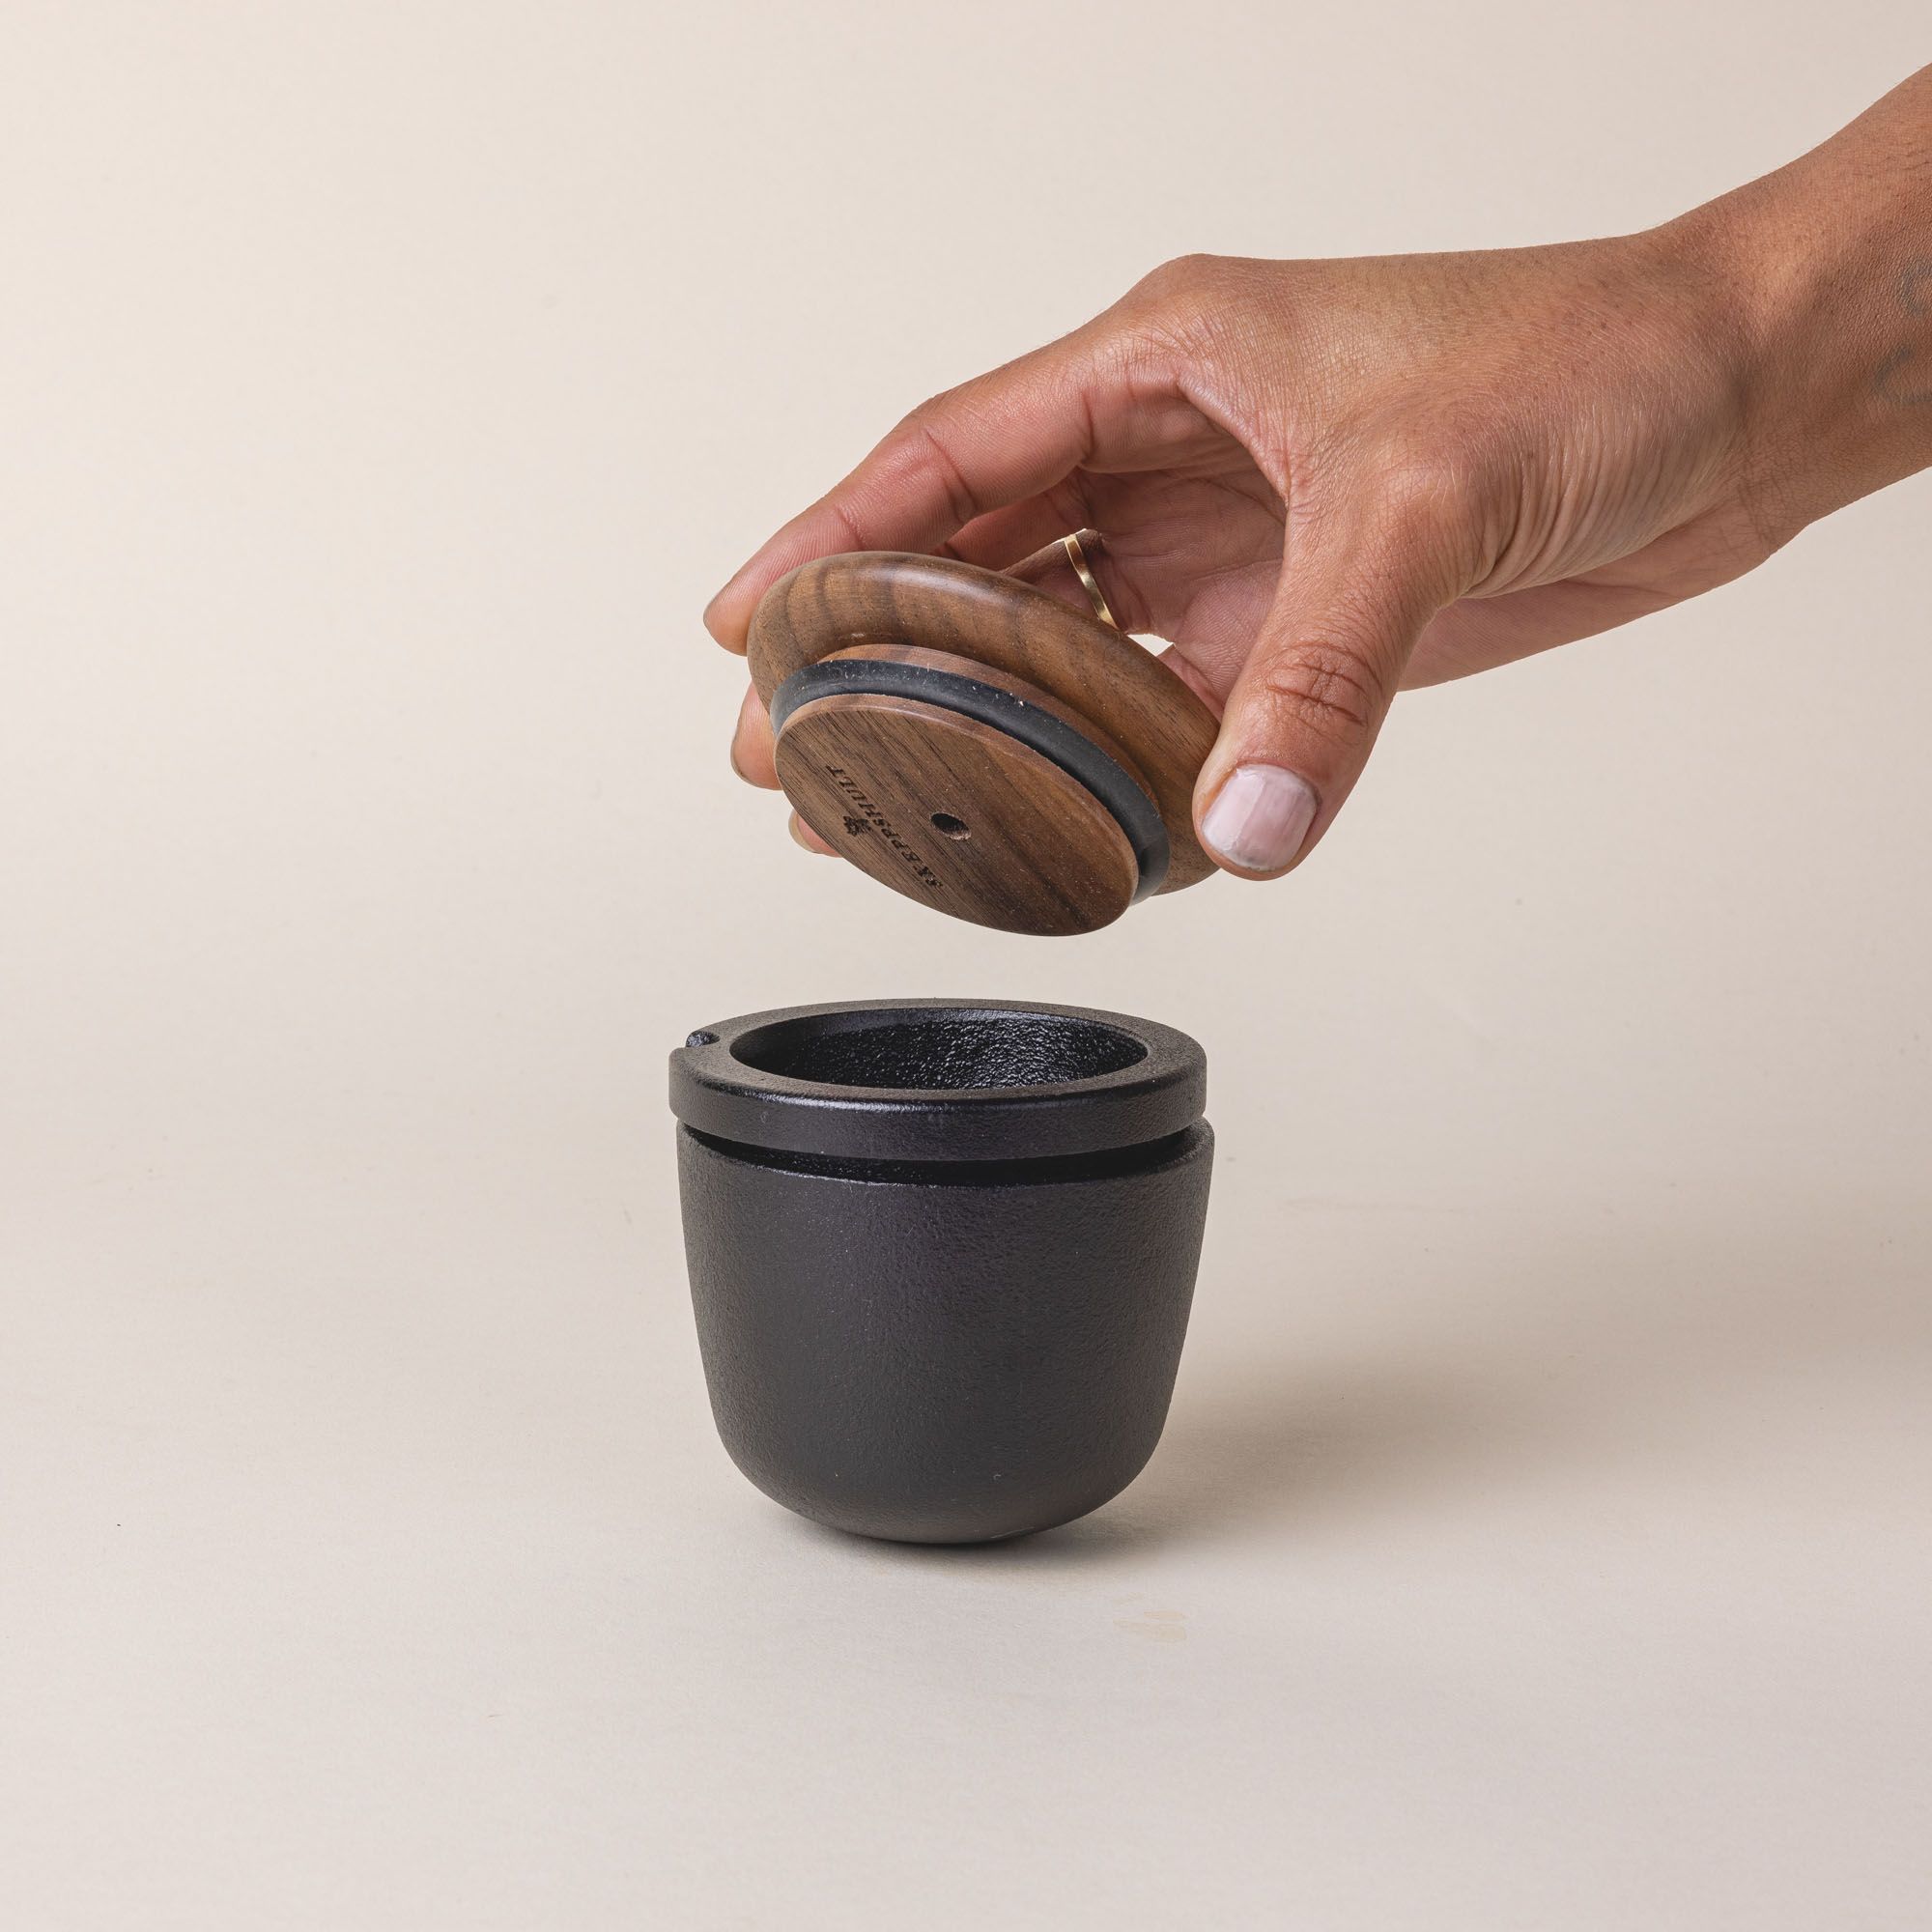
(940, 1051)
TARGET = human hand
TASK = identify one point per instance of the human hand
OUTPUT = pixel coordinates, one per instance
(1326, 481)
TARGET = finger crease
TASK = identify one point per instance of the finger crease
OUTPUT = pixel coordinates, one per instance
(964, 506)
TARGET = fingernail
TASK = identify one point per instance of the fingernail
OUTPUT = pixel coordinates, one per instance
(795, 825)
(1259, 818)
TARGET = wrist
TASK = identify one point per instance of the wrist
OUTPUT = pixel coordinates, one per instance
(1824, 270)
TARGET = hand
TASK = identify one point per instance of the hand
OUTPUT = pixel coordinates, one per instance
(1326, 481)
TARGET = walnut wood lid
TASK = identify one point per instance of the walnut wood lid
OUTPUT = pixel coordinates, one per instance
(976, 744)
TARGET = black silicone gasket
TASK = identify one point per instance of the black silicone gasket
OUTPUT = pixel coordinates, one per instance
(1056, 741)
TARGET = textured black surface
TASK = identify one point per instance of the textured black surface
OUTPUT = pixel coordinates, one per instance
(945, 1051)
(951, 1345)
(938, 1080)
(1052, 738)
(942, 1363)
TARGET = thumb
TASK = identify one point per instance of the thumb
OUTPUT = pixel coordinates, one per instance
(1305, 710)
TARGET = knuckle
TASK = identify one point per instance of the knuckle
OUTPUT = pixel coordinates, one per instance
(857, 537)
(960, 499)
(1415, 501)
(1185, 296)
(918, 429)
(1178, 272)
(926, 411)
(922, 442)
(1425, 483)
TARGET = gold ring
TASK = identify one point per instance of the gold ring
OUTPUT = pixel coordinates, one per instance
(1089, 583)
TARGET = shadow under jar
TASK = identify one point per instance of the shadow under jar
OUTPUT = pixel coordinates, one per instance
(941, 1254)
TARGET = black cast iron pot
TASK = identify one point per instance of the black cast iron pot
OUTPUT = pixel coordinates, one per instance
(942, 1254)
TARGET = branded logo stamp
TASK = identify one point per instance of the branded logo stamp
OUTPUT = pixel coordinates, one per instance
(869, 816)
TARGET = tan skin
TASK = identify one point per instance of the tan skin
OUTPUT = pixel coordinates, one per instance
(1326, 481)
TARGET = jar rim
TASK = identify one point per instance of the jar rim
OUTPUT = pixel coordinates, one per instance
(963, 1079)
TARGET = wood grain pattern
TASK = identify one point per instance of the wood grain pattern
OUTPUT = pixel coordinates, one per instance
(955, 814)
(1108, 684)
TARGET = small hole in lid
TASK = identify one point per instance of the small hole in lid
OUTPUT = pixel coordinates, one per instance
(952, 828)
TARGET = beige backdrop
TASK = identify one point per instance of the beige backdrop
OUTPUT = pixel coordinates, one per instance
(1540, 1538)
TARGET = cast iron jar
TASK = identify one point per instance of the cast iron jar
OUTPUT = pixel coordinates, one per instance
(941, 1254)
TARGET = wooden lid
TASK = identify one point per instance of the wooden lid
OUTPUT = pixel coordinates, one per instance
(976, 744)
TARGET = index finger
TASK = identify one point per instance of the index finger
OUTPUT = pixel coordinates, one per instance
(995, 440)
